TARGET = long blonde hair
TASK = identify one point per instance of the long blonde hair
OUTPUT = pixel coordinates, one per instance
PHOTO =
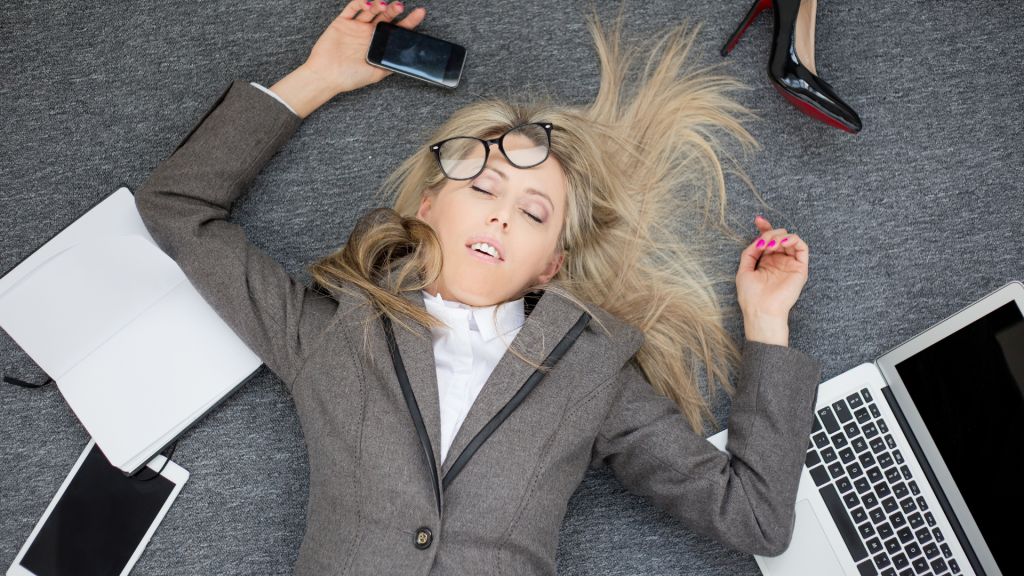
(641, 157)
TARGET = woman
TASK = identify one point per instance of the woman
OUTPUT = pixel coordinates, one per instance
(431, 449)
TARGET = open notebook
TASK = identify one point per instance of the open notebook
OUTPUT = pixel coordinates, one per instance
(135, 350)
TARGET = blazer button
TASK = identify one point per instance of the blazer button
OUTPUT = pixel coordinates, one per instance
(423, 538)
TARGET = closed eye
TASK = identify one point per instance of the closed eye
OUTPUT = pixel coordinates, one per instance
(534, 218)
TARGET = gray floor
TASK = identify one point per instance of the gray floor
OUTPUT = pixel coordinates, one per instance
(908, 222)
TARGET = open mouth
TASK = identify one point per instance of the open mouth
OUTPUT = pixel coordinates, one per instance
(486, 249)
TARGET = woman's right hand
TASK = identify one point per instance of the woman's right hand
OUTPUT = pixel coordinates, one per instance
(337, 62)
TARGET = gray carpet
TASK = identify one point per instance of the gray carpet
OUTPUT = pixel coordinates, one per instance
(913, 219)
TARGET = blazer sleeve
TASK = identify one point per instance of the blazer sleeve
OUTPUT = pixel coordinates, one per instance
(745, 501)
(185, 205)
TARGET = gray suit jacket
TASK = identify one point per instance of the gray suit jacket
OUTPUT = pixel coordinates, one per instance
(370, 488)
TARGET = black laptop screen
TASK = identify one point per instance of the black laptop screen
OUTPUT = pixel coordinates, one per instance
(969, 390)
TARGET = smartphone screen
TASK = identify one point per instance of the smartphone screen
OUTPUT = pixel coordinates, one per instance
(417, 55)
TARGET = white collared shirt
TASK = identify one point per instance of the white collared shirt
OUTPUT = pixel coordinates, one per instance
(466, 354)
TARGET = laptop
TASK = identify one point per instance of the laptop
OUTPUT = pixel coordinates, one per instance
(915, 463)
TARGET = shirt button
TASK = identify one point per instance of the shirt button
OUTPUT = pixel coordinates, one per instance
(423, 538)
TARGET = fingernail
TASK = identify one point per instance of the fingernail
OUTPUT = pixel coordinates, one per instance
(399, 4)
(783, 240)
(369, 4)
(758, 218)
(772, 243)
(760, 243)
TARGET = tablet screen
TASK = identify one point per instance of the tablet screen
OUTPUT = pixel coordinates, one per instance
(98, 523)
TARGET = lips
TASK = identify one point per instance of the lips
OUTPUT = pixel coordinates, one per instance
(490, 240)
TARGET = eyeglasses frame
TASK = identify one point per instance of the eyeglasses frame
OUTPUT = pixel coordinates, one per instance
(436, 149)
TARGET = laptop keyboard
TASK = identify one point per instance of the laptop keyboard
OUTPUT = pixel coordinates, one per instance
(876, 503)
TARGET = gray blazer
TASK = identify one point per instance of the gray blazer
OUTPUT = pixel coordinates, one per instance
(371, 496)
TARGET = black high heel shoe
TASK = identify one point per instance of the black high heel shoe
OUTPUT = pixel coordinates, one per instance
(797, 81)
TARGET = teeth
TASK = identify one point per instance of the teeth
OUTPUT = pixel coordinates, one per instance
(487, 248)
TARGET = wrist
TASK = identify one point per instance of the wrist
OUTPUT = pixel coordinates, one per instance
(304, 90)
(766, 329)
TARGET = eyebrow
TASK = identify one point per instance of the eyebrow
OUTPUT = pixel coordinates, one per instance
(534, 191)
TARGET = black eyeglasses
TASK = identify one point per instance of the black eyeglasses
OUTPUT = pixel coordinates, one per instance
(460, 158)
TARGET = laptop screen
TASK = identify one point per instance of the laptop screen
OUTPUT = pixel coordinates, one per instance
(969, 390)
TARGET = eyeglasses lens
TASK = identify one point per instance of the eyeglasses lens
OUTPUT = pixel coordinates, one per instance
(526, 146)
(462, 158)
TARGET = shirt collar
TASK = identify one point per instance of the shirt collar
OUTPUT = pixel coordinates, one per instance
(511, 315)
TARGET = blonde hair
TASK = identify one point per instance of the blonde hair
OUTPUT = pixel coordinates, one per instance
(644, 154)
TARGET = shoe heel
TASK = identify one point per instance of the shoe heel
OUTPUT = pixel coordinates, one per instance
(757, 8)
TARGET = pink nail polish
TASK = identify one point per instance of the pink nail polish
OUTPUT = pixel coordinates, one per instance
(760, 243)
(783, 240)
(369, 4)
(399, 4)
(758, 218)
(770, 244)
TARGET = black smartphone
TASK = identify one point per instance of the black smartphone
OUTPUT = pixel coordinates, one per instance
(423, 57)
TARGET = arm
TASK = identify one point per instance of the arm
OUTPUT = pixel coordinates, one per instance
(746, 501)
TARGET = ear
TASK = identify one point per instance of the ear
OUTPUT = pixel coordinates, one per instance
(425, 205)
(554, 265)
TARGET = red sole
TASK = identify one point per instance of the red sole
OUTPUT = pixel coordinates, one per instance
(812, 111)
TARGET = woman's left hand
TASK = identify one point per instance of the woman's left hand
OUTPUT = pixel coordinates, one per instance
(772, 272)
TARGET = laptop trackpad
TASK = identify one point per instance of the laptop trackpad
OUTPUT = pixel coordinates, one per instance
(810, 554)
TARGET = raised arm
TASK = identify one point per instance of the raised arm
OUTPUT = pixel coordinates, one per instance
(745, 501)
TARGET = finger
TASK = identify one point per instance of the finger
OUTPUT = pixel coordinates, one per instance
(800, 249)
(750, 256)
(413, 19)
(370, 10)
(389, 13)
(762, 224)
(773, 239)
(352, 8)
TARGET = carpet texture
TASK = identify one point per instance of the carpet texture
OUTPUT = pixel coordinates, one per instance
(913, 219)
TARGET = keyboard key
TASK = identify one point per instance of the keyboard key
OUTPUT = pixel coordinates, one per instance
(890, 505)
(835, 469)
(920, 565)
(929, 519)
(828, 454)
(882, 427)
(866, 394)
(913, 488)
(915, 521)
(846, 527)
(908, 505)
(874, 546)
(882, 560)
(892, 476)
(931, 550)
(899, 560)
(869, 501)
(867, 568)
(820, 439)
(866, 531)
(870, 430)
(812, 459)
(884, 460)
(923, 535)
(820, 475)
(905, 535)
(851, 500)
(913, 549)
(866, 459)
(938, 535)
(954, 566)
(939, 565)
(843, 484)
(874, 411)
(858, 515)
(842, 412)
(862, 485)
(854, 470)
(882, 489)
(851, 429)
(877, 515)
(862, 415)
(888, 572)
(946, 552)
(885, 531)
(828, 420)
(897, 456)
(905, 470)
(846, 455)
(839, 440)
(859, 445)
(908, 572)
(854, 400)
(897, 520)
(899, 489)
(921, 503)
(892, 545)
(816, 426)
(874, 474)
(877, 445)
(889, 441)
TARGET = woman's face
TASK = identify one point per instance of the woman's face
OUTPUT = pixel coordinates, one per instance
(516, 212)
